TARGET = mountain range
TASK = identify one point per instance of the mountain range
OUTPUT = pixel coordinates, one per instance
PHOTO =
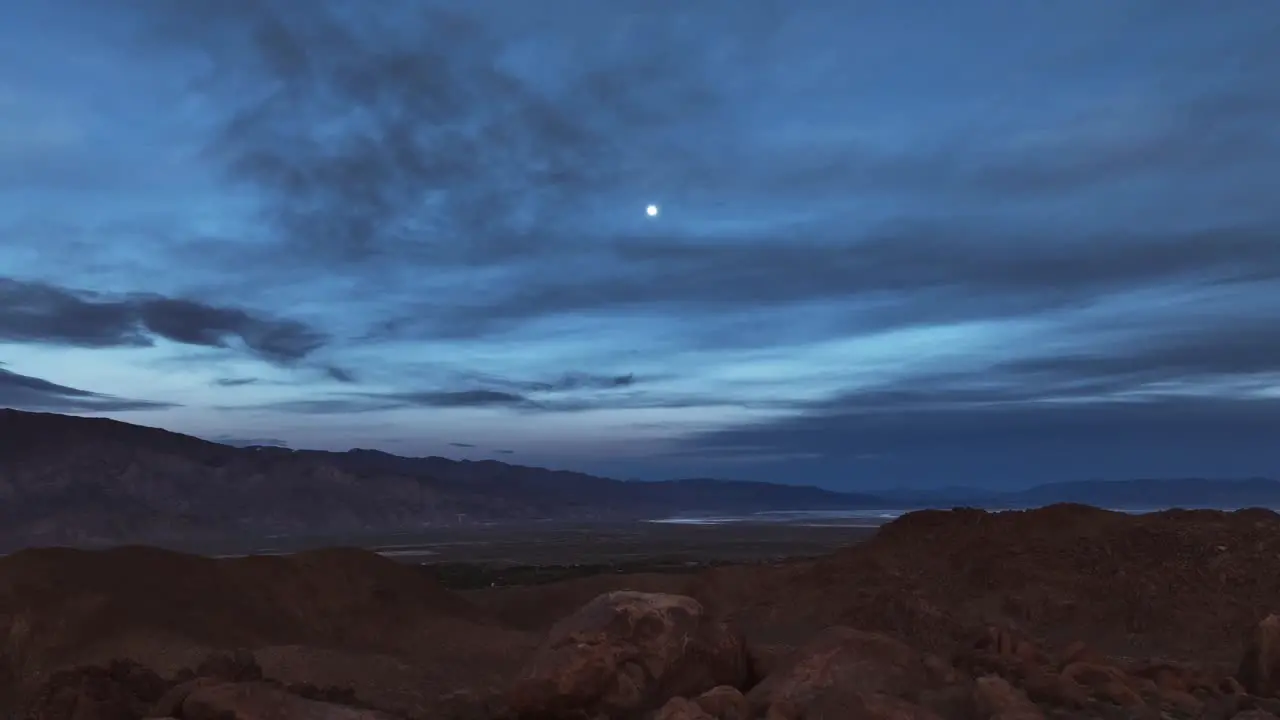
(68, 480)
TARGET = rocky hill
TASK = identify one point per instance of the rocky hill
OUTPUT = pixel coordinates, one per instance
(1063, 612)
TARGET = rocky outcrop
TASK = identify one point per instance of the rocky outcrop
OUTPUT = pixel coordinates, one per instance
(222, 686)
(1019, 627)
(122, 690)
(625, 653)
(652, 656)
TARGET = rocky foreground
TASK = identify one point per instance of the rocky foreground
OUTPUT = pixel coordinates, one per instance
(1063, 612)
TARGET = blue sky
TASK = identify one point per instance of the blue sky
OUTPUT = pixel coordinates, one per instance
(900, 243)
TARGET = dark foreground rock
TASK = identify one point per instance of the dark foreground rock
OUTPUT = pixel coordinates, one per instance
(625, 653)
(1060, 613)
(224, 686)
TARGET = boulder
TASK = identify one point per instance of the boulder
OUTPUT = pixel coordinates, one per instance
(724, 703)
(843, 668)
(995, 699)
(625, 653)
(1259, 670)
(1103, 682)
(682, 709)
(1000, 651)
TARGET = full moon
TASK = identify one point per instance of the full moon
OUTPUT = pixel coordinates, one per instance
(651, 211)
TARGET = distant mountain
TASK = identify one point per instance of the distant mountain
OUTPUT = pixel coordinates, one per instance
(92, 481)
(1152, 493)
(1139, 494)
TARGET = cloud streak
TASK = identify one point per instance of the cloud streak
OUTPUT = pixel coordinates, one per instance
(24, 392)
(38, 313)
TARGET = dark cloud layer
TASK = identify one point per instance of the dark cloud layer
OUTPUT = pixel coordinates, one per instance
(1171, 404)
(29, 393)
(926, 272)
(44, 314)
(1008, 444)
(421, 114)
(571, 392)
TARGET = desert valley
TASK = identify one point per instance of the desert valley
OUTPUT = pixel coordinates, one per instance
(1064, 611)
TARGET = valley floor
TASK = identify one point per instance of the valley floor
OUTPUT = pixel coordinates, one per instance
(557, 544)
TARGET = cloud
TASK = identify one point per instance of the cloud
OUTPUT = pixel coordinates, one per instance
(581, 381)
(348, 403)
(1165, 403)
(432, 134)
(339, 374)
(570, 392)
(461, 445)
(409, 139)
(1214, 347)
(568, 382)
(505, 452)
(236, 441)
(45, 314)
(459, 399)
(29, 393)
(1103, 145)
(905, 273)
(235, 382)
(960, 441)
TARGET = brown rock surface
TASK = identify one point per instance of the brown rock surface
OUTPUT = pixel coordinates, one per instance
(679, 708)
(995, 699)
(626, 652)
(170, 704)
(1104, 682)
(330, 617)
(121, 690)
(1173, 584)
(1260, 667)
(1085, 612)
(724, 702)
(261, 701)
(841, 667)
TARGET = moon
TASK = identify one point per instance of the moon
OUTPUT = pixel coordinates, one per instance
(651, 211)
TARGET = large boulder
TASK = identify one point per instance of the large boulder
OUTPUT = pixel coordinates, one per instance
(847, 670)
(626, 653)
(1259, 671)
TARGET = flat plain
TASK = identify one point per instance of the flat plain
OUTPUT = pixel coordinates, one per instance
(534, 553)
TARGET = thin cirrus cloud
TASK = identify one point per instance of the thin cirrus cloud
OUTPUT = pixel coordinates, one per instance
(884, 235)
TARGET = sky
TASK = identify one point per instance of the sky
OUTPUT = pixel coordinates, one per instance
(899, 244)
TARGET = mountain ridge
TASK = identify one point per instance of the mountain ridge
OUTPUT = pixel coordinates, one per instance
(67, 480)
